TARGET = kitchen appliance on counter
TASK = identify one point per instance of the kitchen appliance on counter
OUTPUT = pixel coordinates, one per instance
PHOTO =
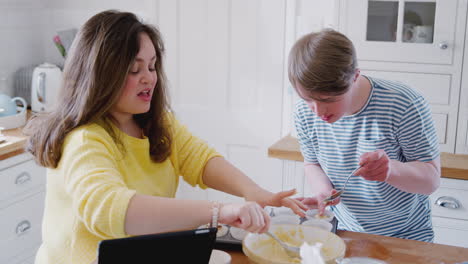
(45, 85)
(10, 115)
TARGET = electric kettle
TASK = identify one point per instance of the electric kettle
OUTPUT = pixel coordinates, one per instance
(8, 105)
(46, 81)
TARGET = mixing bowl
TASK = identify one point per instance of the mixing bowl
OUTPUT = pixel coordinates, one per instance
(262, 249)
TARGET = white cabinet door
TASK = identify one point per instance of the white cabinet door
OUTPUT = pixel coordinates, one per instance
(440, 92)
(462, 135)
(225, 62)
(419, 31)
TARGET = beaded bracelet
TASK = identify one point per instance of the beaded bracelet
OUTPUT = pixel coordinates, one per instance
(214, 214)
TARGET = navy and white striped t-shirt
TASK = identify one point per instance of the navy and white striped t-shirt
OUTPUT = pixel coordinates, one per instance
(396, 119)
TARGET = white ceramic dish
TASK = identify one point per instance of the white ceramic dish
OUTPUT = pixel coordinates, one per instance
(13, 121)
(285, 219)
(263, 249)
(219, 257)
(322, 224)
(314, 214)
(237, 233)
(222, 230)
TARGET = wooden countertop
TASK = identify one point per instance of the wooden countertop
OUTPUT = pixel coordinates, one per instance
(14, 144)
(15, 141)
(390, 249)
(454, 166)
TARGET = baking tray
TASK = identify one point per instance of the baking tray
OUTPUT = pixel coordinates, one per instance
(228, 237)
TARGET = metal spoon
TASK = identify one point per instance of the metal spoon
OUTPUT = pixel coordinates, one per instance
(340, 192)
(290, 250)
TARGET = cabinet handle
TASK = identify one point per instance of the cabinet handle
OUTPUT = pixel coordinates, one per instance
(443, 45)
(447, 202)
(22, 178)
(22, 227)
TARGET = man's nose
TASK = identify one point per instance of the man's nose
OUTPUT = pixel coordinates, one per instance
(317, 108)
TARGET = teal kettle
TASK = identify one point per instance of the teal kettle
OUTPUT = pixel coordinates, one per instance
(8, 105)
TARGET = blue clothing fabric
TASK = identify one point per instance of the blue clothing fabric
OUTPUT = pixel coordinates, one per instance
(396, 119)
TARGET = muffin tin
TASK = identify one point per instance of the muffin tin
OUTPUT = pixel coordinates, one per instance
(230, 238)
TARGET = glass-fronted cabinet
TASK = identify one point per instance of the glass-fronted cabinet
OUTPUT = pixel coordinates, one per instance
(401, 30)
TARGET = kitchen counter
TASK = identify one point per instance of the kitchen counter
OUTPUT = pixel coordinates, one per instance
(389, 249)
(14, 145)
(15, 141)
(454, 166)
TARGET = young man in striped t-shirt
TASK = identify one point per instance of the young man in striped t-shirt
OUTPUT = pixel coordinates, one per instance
(346, 120)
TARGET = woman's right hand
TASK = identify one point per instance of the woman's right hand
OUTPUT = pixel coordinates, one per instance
(322, 196)
(248, 216)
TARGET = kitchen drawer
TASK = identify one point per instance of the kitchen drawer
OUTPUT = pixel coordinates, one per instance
(429, 84)
(448, 196)
(450, 231)
(10, 162)
(20, 227)
(20, 178)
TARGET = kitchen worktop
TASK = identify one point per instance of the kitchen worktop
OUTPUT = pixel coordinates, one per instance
(15, 141)
(454, 166)
(14, 144)
(390, 249)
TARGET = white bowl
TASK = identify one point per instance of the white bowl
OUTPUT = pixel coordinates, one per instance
(219, 257)
(314, 214)
(285, 219)
(237, 233)
(262, 249)
(13, 121)
(222, 230)
(322, 224)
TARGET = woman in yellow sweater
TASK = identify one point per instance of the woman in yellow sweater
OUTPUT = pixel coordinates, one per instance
(114, 151)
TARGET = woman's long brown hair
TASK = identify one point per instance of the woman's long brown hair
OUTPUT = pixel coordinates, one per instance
(93, 79)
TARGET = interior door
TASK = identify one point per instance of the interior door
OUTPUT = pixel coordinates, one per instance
(225, 62)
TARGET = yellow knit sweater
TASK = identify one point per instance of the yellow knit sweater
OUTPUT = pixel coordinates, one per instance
(89, 192)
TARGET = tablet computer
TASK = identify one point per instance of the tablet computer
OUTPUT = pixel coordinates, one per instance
(191, 246)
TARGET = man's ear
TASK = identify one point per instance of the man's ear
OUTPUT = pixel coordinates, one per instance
(356, 74)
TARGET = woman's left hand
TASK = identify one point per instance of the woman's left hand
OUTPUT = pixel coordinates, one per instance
(376, 166)
(265, 198)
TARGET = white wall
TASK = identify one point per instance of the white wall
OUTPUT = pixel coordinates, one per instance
(66, 14)
(21, 23)
(27, 28)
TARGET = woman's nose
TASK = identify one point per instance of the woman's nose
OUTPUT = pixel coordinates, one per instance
(148, 77)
